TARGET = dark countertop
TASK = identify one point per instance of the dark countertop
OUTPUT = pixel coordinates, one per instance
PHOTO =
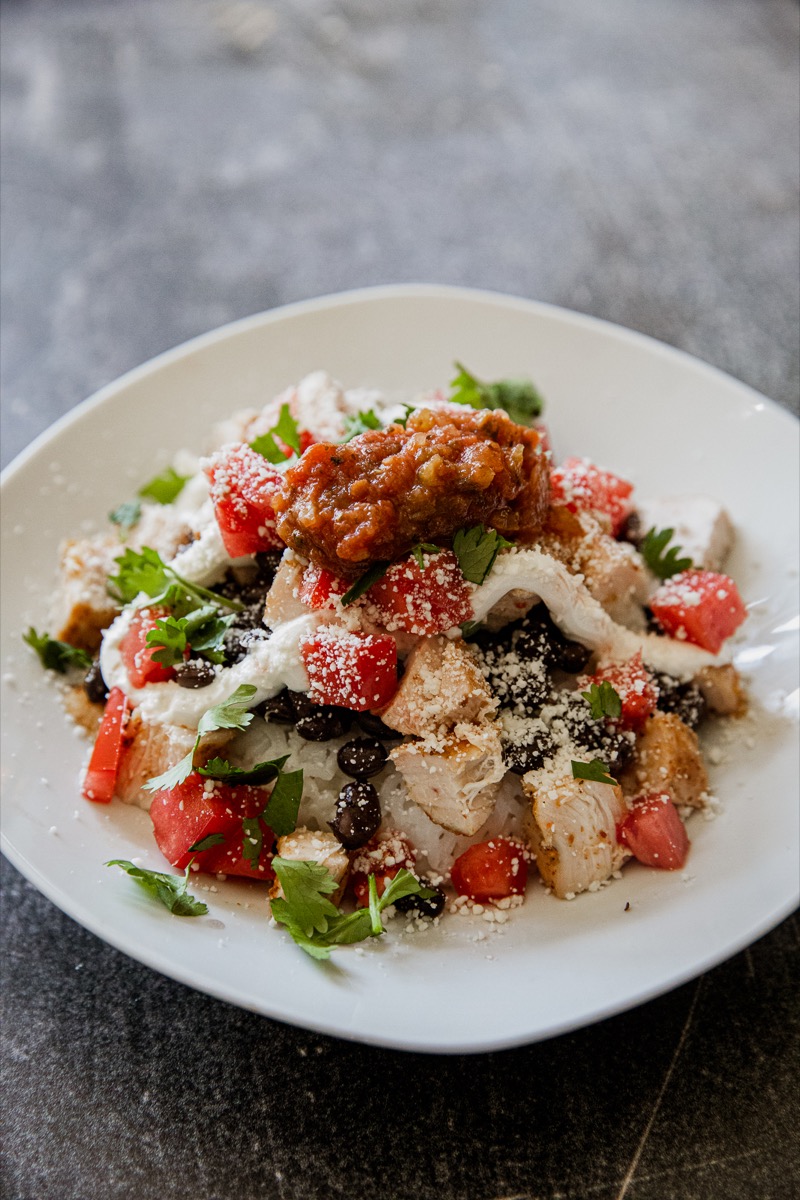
(170, 165)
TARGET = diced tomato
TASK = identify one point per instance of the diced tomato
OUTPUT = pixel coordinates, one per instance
(100, 779)
(243, 485)
(490, 870)
(137, 656)
(654, 832)
(199, 808)
(382, 857)
(422, 600)
(700, 607)
(352, 670)
(635, 687)
(306, 439)
(579, 485)
(319, 586)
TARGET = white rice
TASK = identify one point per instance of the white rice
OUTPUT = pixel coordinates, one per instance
(436, 848)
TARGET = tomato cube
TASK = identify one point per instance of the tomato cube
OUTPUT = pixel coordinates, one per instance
(579, 485)
(382, 857)
(635, 687)
(700, 607)
(351, 670)
(319, 587)
(137, 656)
(199, 809)
(424, 599)
(243, 484)
(655, 833)
(491, 870)
(100, 779)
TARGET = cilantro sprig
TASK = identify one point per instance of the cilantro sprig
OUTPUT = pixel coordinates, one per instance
(604, 700)
(662, 562)
(145, 571)
(232, 713)
(360, 422)
(285, 428)
(421, 549)
(165, 487)
(315, 923)
(365, 582)
(476, 550)
(203, 630)
(518, 397)
(169, 889)
(55, 655)
(595, 771)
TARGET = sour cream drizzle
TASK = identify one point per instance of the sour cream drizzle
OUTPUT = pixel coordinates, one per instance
(581, 617)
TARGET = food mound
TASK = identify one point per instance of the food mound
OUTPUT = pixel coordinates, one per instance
(347, 506)
(391, 659)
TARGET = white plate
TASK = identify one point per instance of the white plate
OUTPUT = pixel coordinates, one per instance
(667, 422)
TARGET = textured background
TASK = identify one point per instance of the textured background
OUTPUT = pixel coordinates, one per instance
(173, 164)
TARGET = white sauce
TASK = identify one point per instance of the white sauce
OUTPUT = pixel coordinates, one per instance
(581, 617)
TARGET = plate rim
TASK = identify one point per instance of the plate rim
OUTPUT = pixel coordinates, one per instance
(156, 960)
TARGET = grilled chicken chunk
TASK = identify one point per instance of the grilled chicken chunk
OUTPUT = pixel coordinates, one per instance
(152, 749)
(667, 758)
(309, 845)
(442, 686)
(455, 779)
(573, 830)
(722, 690)
(82, 607)
(282, 604)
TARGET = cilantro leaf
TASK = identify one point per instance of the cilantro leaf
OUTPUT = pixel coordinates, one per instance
(360, 422)
(365, 582)
(55, 655)
(476, 549)
(421, 549)
(203, 630)
(126, 515)
(168, 640)
(469, 627)
(287, 430)
(314, 923)
(604, 700)
(284, 802)
(164, 488)
(226, 772)
(145, 571)
(664, 565)
(207, 843)
(596, 771)
(169, 889)
(228, 714)
(518, 397)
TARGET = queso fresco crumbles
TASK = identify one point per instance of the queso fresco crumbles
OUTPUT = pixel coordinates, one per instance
(397, 656)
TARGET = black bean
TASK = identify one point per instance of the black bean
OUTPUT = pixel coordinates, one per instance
(375, 727)
(241, 636)
(431, 906)
(357, 816)
(94, 685)
(600, 738)
(521, 757)
(684, 699)
(571, 656)
(323, 723)
(279, 709)
(196, 673)
(362, 758)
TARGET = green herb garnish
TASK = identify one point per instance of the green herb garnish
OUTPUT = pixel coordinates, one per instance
(360, 422)
(164, 488)
(604, 700)
(126, 515)
(652, 549)
(203, 630)
(595, 771)
(229, 714)
(317, 925)
(287, 430)
(518, 397)
(423, 548)
(401, 421)
(145, 571)
(365, 582)
(55, 655)
(476, 549)
(169, 889)
(207, 843)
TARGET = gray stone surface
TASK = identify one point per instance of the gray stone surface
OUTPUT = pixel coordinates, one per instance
(173, 164)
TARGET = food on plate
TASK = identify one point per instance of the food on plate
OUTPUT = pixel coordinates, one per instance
(393, 659)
